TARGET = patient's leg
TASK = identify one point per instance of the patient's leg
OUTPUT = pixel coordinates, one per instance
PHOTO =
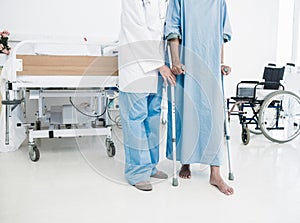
(216, 180)
(185, 171)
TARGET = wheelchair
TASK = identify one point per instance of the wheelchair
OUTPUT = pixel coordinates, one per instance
(266, 107)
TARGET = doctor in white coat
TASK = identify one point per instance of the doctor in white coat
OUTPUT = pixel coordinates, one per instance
(142, 71)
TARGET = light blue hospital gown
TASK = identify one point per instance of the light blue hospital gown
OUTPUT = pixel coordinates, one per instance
(203, 26)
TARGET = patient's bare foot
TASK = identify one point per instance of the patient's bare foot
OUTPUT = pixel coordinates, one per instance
(185, 171)
(216, 180)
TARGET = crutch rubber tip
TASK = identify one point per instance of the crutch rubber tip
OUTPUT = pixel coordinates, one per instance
(230, 176)
(175, 182)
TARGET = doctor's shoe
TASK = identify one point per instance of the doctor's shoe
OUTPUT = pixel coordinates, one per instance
(160, 175)
(144, 186)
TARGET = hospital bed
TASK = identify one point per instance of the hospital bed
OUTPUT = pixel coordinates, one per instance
(73, 93)
(266, 107)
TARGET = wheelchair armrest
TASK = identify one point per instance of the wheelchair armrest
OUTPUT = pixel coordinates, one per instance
(249, 82)
(270, 82)
(243, 83)
(267, 82)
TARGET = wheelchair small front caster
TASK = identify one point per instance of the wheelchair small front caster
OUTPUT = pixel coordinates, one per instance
(245, 136)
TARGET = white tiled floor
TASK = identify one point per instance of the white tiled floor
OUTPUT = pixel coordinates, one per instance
(75, 181)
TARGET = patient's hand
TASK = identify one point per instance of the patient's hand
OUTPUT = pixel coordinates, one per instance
(225, 70)
(178, 69)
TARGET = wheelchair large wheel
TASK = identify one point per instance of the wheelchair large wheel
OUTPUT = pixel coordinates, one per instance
(279, 116)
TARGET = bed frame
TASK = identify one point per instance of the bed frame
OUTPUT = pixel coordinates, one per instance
(60, 76)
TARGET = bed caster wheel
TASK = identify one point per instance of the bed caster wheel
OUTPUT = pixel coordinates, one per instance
(34, 153)
(110, 148)
(38, 125)
(245, 136)
(68, 126)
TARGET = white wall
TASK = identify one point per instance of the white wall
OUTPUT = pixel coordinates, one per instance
(296, 36)
(285, 32)
(254, 41)
(47, 18)
(254, 24)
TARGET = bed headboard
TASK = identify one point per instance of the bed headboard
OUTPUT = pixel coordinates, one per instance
(68, 65)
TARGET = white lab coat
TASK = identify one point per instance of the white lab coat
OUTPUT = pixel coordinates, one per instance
(141, 50)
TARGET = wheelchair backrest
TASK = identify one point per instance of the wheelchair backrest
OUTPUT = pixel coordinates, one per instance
(272, 77)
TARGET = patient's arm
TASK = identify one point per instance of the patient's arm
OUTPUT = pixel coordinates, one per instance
(224, 68)
(177, 67)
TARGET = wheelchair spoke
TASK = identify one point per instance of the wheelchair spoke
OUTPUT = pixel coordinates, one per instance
(279, 116)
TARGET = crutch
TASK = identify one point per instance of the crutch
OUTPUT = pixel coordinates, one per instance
(173, 117)
(227, 133)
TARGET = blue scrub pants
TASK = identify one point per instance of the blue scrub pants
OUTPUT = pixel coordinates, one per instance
(140, 116)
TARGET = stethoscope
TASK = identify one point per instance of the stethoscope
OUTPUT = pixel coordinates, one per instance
(146, 2)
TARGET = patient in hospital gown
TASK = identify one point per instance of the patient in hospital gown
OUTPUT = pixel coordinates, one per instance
(201, 27)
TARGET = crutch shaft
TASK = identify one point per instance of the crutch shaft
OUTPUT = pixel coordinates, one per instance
(173, 117)
(175, 180)
(227, 135)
